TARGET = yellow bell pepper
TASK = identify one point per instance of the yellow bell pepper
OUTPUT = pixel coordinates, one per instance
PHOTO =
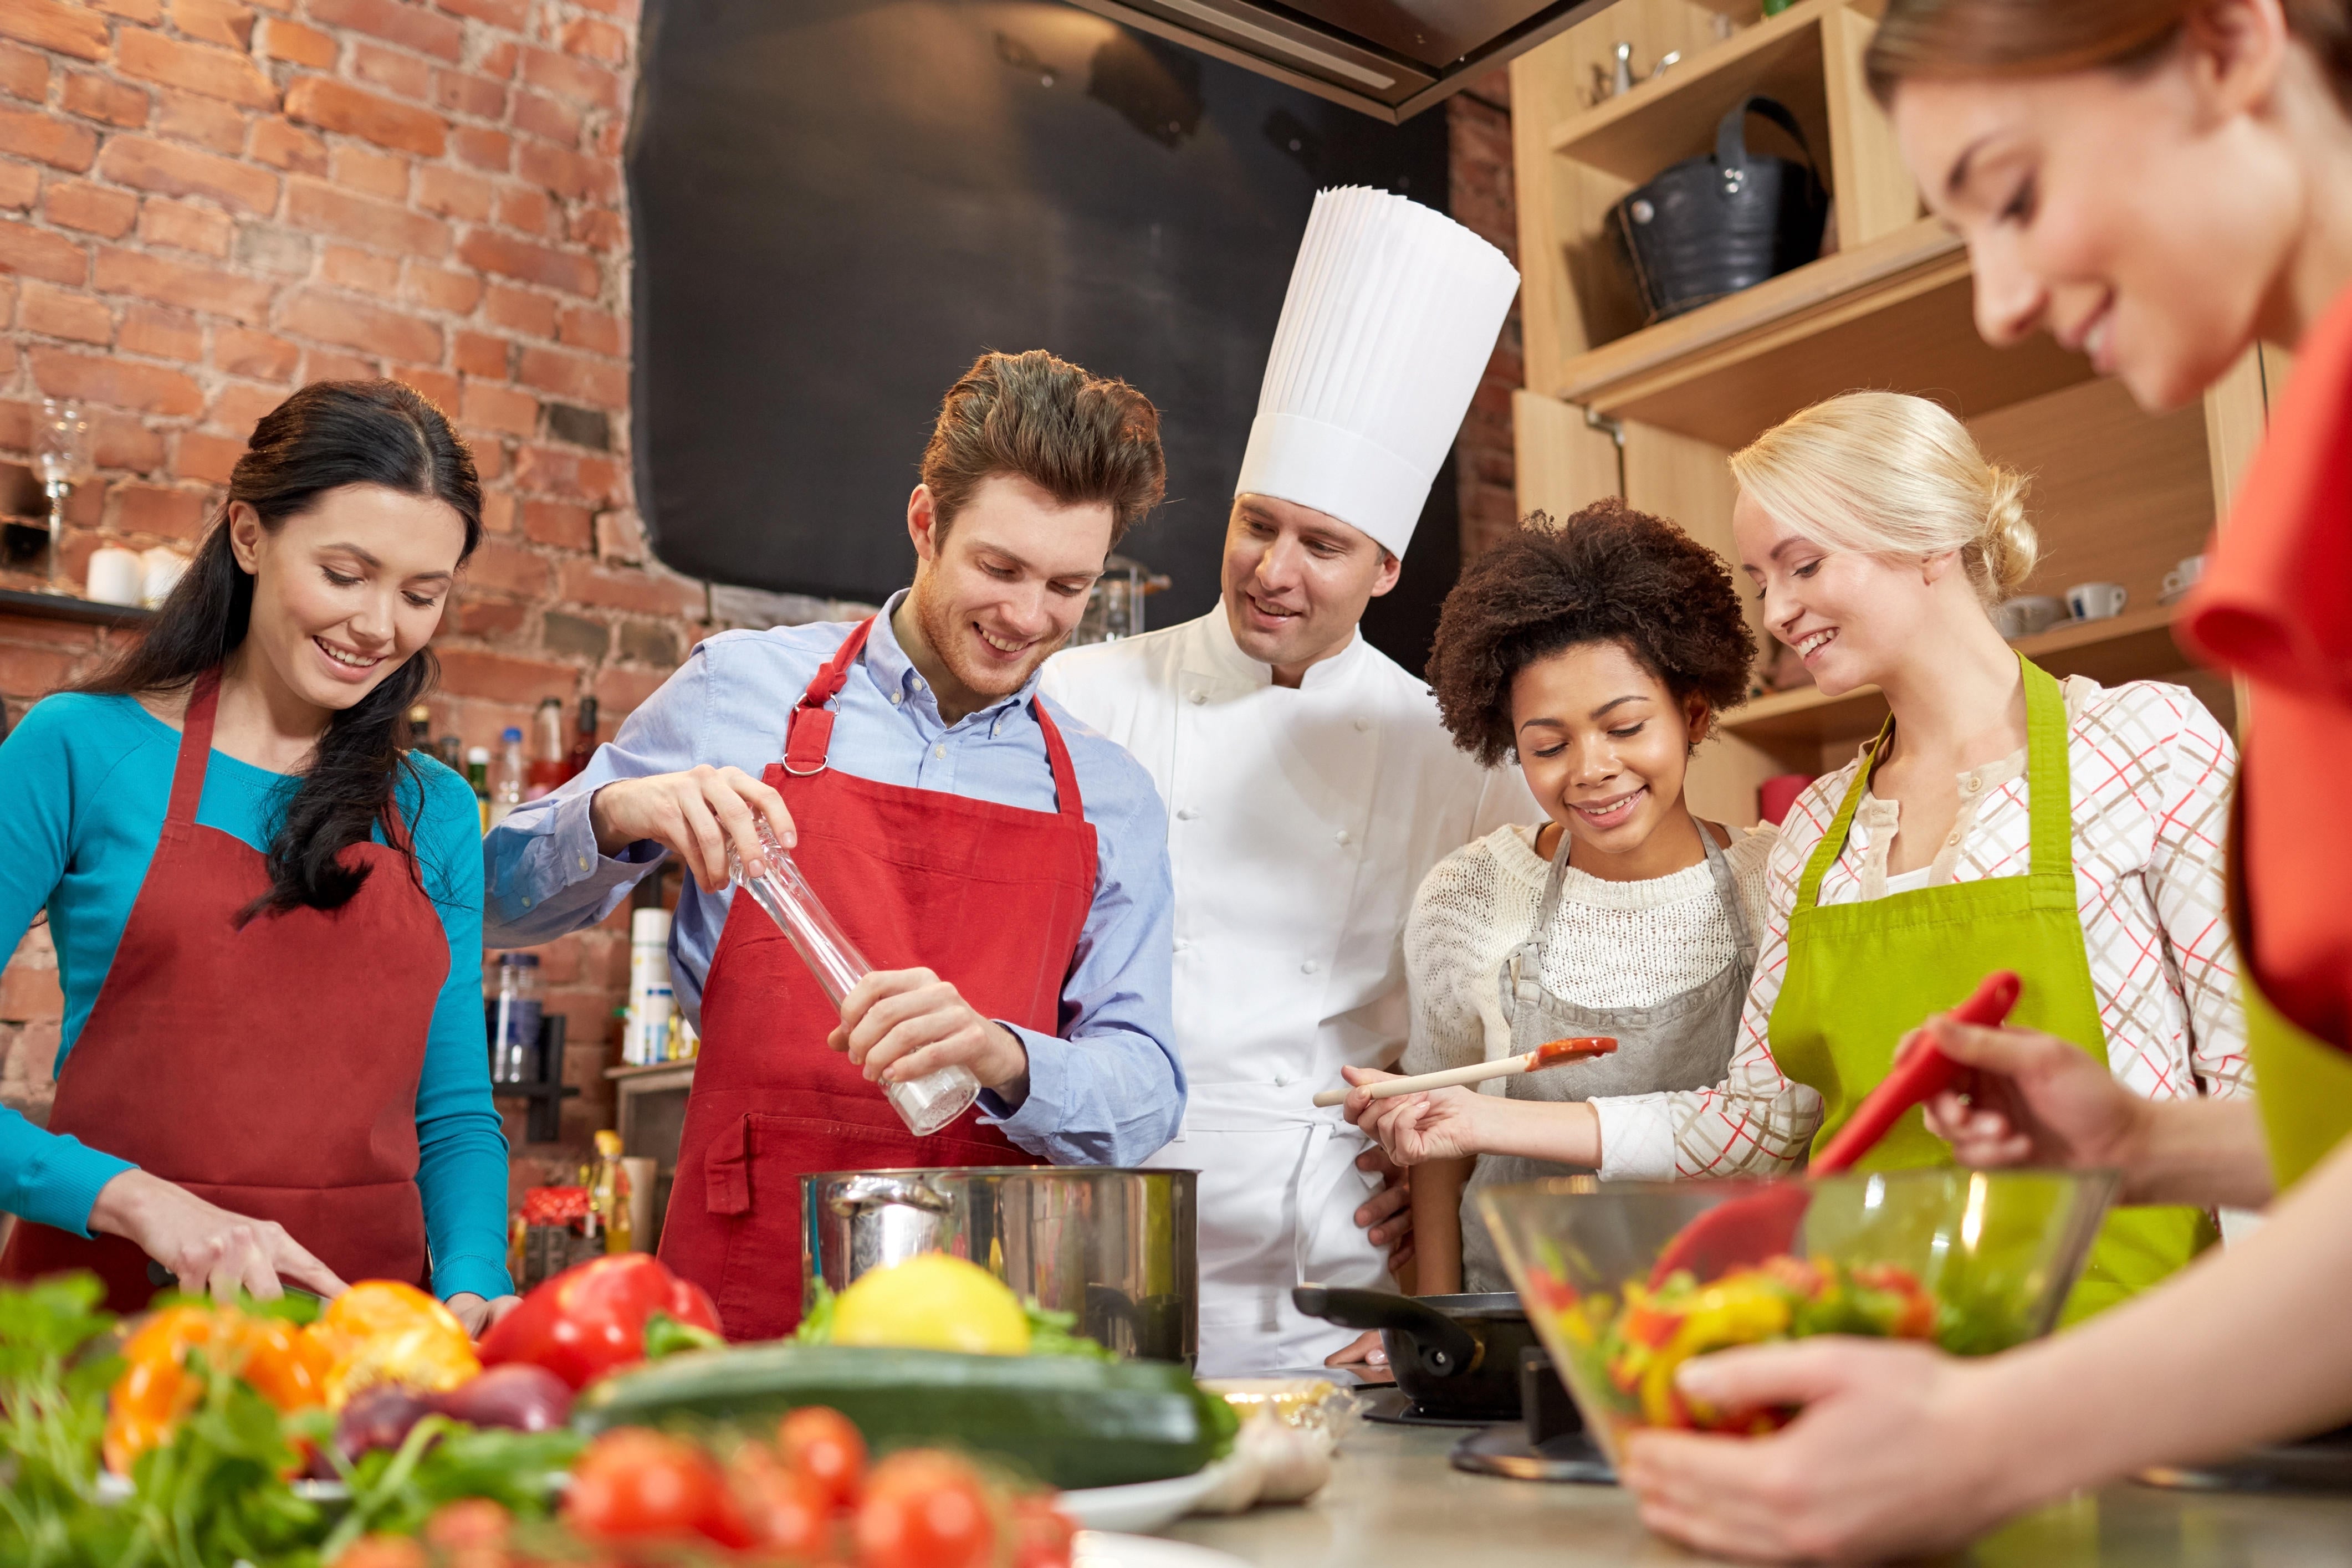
(381, 1331)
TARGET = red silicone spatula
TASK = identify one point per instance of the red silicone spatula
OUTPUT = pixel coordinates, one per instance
(1748, 1230)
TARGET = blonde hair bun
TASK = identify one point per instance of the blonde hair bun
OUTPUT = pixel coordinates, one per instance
(1889, 473)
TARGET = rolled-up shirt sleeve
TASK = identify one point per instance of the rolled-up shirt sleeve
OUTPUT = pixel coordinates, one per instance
(545, 874)
(1109, 1090)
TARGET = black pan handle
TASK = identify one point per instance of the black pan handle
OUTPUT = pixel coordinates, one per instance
(1442, 1347)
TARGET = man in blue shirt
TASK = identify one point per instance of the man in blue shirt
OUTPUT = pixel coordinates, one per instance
(972, 841)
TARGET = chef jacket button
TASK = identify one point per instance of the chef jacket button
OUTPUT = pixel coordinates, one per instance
(1185, 813)
(1181, 944)
(1196, 697)
(1363, 723)
(1344, 837)
(1284, 1080)
(1309, 967)
(938, 751)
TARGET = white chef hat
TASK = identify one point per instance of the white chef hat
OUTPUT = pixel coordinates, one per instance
(1389, 323)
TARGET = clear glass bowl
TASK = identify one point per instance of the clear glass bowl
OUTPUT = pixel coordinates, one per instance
(1993, 1254)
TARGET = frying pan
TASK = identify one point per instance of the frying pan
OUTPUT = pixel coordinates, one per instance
(1453, 1355)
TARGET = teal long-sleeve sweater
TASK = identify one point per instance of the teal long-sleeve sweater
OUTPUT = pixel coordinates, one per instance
(86, 781)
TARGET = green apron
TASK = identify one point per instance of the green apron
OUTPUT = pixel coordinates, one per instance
(1860, 976)
(2303, 1085)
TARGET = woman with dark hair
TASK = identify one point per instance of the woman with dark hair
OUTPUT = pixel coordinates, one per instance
(1596, 653)
(267, 914)
(2160, 183)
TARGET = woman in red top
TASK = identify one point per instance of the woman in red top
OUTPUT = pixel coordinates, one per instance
(2159, 183)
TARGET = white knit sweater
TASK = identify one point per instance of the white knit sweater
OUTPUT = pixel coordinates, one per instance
(1613, 944)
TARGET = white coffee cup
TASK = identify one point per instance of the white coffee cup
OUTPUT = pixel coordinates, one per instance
(2096, 601)
(114, 576)
(2026, 614)
(2183, 578)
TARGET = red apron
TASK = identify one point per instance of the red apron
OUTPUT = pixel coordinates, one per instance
(271, 1069)
(992, 898)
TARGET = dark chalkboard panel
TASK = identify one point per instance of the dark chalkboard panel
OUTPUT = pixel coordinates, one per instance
(839, 204)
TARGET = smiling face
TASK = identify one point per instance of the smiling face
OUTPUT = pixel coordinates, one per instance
(1295, 583)
(2148, 219)
(1604, 744)
(1003, 583)
(347, 590)
(1849, 614)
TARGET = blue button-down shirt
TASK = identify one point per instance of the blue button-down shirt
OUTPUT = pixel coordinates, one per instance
(1109, 1089)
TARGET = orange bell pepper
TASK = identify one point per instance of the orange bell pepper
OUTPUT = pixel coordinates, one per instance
(157, 1389)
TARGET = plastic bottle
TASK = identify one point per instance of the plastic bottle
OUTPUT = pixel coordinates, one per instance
(609, 1194)
(652, 1000)
(514, 1021)
(546, 770)
(927, 1103)
(477, 774)
(584, 739)
(506, 776)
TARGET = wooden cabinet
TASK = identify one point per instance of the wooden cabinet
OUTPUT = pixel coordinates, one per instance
(1615, 406)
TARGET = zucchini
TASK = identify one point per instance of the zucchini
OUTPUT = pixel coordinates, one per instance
(1067, 1422)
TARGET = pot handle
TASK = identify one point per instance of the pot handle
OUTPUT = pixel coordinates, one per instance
(1442, 1347)
(862, 1194)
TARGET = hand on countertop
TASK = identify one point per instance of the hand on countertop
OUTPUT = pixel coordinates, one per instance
(903, 1024)
(695, 815)
(211, 1249)
(478, 1313)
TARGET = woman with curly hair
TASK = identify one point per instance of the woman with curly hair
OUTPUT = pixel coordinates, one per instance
(1596, 653)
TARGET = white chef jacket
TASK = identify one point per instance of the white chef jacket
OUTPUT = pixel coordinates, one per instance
(1300, 823)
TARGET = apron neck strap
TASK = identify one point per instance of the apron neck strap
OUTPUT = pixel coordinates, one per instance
(1726, 888)
(1057, 757)
(810, 735)
(195, 749)
(2049, 791)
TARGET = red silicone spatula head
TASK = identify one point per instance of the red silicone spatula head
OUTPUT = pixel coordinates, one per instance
(1748, 1230)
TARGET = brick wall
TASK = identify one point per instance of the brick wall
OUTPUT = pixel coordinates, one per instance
(1479, 126)
(205, 204)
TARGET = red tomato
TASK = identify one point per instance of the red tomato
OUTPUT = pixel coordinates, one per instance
(825, 1446)
(1045, 1536)
(632, 1484)
(471, 1521)
(784, 1510)
(924, 1508)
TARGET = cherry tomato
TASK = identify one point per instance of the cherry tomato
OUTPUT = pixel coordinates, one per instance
(925, 1510)
(632, 1484)
(1045, 1537)
(473, 1521)
(826, 1446)
(786, 1511)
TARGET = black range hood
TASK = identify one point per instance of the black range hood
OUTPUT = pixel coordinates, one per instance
(1390, 58)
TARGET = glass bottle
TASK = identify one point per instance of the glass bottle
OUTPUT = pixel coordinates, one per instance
(546, 768)
(506, 776)
(452, 751)
(926, 1104)
(477, 774)
(420, 728)
(609, 1194)
(584, 739)
(514, 1023)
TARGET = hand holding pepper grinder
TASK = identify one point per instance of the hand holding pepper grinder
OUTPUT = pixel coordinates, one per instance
(927, 1103)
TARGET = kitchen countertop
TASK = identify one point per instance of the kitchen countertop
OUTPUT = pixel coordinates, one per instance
(1395, 1501)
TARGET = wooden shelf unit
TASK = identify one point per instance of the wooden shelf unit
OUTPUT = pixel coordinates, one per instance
(1614, 406)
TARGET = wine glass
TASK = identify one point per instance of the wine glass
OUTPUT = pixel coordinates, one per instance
(61, 452)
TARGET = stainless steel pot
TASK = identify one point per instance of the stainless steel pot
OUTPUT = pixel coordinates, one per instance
(1119, 1248)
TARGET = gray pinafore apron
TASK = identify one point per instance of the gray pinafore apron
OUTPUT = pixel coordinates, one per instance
(1683, 1043)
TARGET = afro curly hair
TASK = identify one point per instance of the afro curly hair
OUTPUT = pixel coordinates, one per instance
(1607, 574)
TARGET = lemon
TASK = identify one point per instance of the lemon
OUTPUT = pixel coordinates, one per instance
(932, 1302)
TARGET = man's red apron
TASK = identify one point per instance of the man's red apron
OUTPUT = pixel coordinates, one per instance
(992, 898)
(269, 1068)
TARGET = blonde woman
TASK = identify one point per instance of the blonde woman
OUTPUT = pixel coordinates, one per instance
(2001, 819)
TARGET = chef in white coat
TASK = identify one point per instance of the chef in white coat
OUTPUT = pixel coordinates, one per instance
(1309, 784)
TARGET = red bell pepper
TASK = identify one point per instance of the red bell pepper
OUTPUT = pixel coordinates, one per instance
(591, 1319)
